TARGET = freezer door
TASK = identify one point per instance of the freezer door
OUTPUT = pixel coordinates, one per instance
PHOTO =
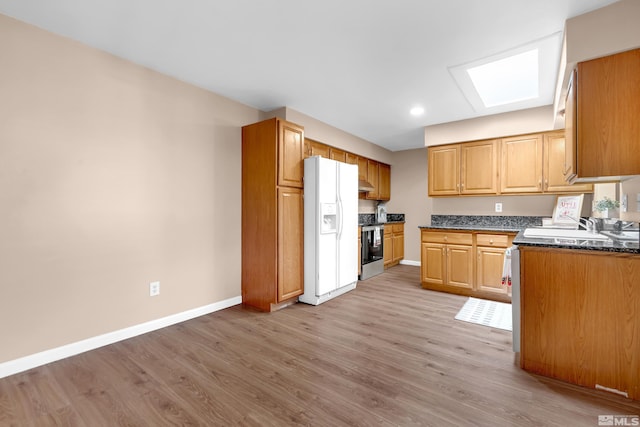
(326, 249)
(347, 253)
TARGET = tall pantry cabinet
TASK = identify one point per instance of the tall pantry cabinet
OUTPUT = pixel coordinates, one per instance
(272, 214)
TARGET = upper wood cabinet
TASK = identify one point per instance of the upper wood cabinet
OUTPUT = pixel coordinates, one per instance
(384, 181)
(444, 170)
(606, 116)
(319, 149)
(570, 166)
(466, 168)
(373, 169)
(290, 154)
(376, 173)
(555, 166)
(533, 163)
(536, 163)
(479, 167)
(522, 164)
(362, 168)
(337, 155)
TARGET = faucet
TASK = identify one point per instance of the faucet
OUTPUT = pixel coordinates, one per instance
(620, 225)
(588, 224)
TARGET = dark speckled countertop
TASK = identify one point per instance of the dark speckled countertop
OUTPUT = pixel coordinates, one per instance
(370, 219)
(518, 224)
(628, 246)
(509, 224)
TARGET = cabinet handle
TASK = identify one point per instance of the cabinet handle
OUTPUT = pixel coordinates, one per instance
(445, 238)
(540, 184)
(491, 242)
(546, 184)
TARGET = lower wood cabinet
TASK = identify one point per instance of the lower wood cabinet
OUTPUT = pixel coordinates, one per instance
(448, 263)
(490, 250)
(393, 247)
(580, 317)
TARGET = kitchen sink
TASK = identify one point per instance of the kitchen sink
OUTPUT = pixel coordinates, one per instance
(561, 233)
(622, 235)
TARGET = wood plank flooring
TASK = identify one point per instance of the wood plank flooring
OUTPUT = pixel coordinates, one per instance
(388, 354)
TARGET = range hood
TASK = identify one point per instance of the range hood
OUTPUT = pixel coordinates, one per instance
(364, 186)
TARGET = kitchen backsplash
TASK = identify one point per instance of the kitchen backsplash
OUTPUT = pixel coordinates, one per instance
(487, 220)
(368, 219)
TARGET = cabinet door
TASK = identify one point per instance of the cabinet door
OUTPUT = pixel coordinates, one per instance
(320, 149)
(337, 155)
(489, 270)
(569, 168)
(372, 176)
(362, 169)
(290, 154)
(608, 128)
(459, 266)
(387, 249)
(443, 170)
(290, 243)
(384, 182)
(522, 164)
(352, 159)
(554, 167)
(433, 263)
(398, 247)
(479, 167)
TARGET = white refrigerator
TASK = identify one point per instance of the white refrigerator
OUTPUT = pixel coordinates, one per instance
(330, 229)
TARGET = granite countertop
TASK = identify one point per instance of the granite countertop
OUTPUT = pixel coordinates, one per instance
(500, 224)
(518, 224)
(495, 228)
(628, 246)
(370, 219)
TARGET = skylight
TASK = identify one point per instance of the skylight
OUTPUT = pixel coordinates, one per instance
(508, 80)
(521, 77)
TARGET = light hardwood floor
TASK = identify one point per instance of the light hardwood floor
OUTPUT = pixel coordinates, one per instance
(388, 353)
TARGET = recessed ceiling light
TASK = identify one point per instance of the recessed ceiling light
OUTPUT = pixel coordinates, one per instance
(508, 80)
(417, 111)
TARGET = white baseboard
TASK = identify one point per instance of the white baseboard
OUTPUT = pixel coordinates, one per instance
(409, 262)
(38, 359)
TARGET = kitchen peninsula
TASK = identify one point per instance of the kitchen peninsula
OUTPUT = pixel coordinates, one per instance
(580, 311)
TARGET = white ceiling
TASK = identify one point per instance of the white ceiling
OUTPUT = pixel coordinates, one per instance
(358, 65)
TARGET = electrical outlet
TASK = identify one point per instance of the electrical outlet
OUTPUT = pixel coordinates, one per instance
(154, 289)
(498, 207)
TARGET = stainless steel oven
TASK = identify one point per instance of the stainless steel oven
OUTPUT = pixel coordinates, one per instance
(372, 251)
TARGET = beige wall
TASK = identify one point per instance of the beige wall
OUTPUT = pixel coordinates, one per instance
(632, 189)
(531, 120)
(111, 176)
(605, 31)
(409, 196)
(327, 134)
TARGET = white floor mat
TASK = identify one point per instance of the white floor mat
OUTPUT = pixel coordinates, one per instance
(488, 313)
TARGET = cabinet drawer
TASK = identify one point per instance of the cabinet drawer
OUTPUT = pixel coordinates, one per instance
(493, 240)
(447, 237)
(397, 228)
